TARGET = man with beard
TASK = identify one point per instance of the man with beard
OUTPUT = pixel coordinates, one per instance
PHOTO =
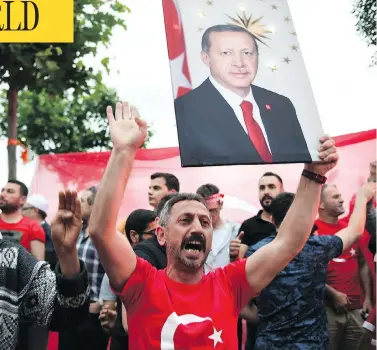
(180, 307)
(260, 226)
(349, 288)
(256, 229)
(17, 227)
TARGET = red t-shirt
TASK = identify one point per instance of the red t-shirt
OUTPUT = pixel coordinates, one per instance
(164, 314)
(343, 271)
(29, 229)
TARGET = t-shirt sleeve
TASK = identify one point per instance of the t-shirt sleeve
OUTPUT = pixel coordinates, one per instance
(37, 233)
(332, 246)
(137, 282)
(235, 273)
(106, 293)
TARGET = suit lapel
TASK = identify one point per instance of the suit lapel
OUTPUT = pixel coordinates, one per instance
(225, 122)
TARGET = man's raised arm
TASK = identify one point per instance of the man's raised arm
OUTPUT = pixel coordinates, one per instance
(128, 133)
(267, 262)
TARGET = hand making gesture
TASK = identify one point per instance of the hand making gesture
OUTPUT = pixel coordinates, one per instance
(127, 130)
(65, 229)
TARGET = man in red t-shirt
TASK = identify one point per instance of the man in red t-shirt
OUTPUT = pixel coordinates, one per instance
(349, 287)
(15, 226)
(180, 307)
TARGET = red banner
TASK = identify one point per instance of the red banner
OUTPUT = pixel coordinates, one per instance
(238, 183)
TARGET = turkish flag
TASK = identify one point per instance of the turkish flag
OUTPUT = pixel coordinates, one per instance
(179, 69)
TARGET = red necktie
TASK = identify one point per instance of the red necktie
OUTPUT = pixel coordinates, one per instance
(255, 132)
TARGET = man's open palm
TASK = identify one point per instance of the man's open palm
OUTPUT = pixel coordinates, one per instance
(67, 223)
(126, 127)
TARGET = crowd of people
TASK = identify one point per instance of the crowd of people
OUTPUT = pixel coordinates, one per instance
(181, 276)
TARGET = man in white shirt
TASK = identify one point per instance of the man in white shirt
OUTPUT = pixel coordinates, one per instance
(228, 120)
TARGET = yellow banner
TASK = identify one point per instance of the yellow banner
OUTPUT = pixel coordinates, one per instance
(36, 21)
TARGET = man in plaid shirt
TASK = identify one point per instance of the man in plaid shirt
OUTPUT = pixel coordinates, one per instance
(90, 334)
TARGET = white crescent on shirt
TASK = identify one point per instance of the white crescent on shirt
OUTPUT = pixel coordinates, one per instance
(172, 323)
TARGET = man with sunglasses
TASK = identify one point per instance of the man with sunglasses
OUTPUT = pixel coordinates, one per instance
(140, 227)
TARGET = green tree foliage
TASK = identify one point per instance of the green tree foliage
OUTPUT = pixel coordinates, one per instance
(366, 14)
(62, 124)
(56, 68)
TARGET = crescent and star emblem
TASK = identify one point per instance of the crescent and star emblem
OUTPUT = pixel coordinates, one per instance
(172, 323)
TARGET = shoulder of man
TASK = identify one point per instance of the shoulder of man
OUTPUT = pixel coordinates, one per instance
(150, 251)
(271, 95)
(252, 249)
(193, 94)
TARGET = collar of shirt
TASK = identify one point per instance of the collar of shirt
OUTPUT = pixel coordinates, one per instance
(234, 101)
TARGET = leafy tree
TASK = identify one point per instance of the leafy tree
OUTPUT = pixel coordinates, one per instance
(366, 14)
(56, 68)
(62, 124)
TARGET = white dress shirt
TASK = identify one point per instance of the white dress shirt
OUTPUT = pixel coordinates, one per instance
(234, 101)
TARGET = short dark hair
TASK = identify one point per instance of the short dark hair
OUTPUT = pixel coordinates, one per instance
(23, 188)
(138, 220)
(221, 28)
(163, 201)
(172, 183)
(92, 197)
(270, 173)
(42, 214)
(179, 197)
(207, 190)
(280, 205)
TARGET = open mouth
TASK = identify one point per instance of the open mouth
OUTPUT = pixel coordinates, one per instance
(193, 246)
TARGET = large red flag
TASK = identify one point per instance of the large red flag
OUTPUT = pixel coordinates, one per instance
(179, 70)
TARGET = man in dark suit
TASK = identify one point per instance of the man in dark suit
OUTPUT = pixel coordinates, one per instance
(228, 120)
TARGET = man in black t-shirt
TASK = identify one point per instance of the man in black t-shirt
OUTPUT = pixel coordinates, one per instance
(257, 228)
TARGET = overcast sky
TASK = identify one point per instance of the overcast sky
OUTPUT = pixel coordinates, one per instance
(336, 58)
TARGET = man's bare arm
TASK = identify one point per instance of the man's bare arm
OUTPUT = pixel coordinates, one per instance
(356, 224)
(116, 254)
(365, 277)
(268, 261)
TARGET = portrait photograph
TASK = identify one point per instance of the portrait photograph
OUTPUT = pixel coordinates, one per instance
(241, 91)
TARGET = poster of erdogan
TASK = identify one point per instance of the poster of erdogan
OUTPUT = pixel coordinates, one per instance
(241, 90)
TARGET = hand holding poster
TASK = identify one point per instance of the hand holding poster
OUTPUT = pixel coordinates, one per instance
(251, 100)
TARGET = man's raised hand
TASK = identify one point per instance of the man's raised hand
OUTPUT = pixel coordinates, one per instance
(127, 130)
(67, 223)
(328, 154)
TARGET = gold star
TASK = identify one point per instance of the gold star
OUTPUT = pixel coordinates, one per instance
(273, 68)
(253, 26)
(199, 29)
(293, 33)
(287, 19)
(294, 47)
(209, 2)
(286, 60)
(274, 7)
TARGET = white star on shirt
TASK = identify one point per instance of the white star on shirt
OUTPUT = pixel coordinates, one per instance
(353, 252)
(178, 78)
(216, 337)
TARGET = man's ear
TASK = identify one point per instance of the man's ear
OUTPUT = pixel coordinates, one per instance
(23, 200)
(160, 232)
(205, 58)
(321, 205)
(134, 236)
